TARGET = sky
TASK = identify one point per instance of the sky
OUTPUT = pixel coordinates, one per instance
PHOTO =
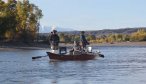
(93, 14)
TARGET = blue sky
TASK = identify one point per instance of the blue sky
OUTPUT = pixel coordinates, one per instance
(93, 14)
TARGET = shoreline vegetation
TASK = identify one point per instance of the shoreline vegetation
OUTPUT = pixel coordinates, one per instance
(35, 46)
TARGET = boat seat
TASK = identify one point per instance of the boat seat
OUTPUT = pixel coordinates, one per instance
(62, 50)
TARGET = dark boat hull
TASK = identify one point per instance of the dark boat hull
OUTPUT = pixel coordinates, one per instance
(71, 57)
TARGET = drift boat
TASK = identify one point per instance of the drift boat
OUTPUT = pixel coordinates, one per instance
(82, 56)
(71, 57)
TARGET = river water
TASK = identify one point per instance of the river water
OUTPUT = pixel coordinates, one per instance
(120, 65)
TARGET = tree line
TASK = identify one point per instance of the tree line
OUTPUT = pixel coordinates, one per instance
(19, 20)
(140, 35)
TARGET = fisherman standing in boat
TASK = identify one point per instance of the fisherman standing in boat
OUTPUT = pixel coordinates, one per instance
(83, 40)
(54, 40)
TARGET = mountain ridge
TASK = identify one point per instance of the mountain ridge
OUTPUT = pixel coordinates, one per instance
(104, 31)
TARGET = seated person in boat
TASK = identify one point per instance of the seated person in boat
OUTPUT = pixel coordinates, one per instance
(54, 40)
(76, 49)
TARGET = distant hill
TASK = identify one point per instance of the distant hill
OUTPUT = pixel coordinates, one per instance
(110, 31)
(104, 32)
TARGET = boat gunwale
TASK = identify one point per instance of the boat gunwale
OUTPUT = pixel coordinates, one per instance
(71, 57)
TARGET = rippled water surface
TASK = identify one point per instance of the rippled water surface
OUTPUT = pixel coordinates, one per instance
(120, 65)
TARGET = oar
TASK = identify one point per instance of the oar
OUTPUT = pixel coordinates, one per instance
(38, 57)
(101, 55)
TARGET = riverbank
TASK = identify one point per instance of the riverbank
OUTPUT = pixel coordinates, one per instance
(46, 46)
(20, 45)
(122, 44)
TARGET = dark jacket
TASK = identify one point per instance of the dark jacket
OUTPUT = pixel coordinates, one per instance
(54, 39)
(83, 40)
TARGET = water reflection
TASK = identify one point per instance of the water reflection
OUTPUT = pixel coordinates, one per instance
(63, 74)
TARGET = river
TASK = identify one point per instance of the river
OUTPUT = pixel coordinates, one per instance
(120, 65)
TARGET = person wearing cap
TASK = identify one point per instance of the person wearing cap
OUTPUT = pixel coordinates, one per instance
(83, 40)
(54, 40)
